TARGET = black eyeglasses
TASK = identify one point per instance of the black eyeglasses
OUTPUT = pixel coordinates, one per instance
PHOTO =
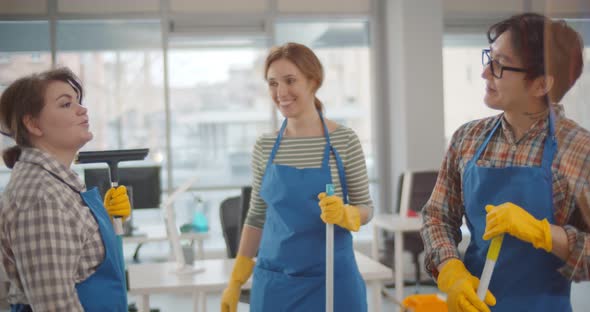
(497, 68)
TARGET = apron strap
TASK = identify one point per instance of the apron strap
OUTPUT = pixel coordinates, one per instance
(62, 181)
(339, 163)
(325, 159)
(342, 175)
(485, 143)
(275, 148)
(550, 147)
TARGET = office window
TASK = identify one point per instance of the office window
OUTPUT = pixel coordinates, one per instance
(464, 88)
(343, 49)
(24, 50)
(121, 66)
(219, 106)
(576, 100)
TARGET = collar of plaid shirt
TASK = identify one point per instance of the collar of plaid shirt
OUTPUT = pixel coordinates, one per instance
(49, 163)
(540, 125)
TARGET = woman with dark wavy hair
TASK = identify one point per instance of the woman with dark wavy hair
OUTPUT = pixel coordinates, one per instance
(57, 243)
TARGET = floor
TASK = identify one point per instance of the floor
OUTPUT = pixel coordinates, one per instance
(580, 300)
(174, 303)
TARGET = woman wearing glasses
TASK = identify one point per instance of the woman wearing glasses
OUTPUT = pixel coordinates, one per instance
(522, 174)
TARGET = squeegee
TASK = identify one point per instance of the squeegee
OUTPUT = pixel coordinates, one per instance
(112, 158)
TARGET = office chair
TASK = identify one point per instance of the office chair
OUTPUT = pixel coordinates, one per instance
(414, 190)
(232, 212)
(230, 217)
(245, 202)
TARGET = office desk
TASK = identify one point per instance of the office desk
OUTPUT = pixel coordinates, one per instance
(397, 225)
(152, 278)
(157, 233)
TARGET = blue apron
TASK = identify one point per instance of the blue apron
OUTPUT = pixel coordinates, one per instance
(290, 269)
(105, 289)
(524, 278)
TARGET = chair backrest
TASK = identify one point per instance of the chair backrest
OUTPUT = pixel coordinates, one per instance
(245, 203)
(414, 190)
(231, 217)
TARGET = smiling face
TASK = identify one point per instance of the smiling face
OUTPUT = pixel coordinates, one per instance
(62, 124)
(511, 92)
(290, 90)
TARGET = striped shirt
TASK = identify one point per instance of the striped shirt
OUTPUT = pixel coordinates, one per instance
(49, 240)
(444, 211)
(307, 152)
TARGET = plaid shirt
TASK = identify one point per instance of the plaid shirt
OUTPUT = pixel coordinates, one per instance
(444, 211)
(49, 240)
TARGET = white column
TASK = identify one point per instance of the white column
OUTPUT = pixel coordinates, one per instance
(414, 31)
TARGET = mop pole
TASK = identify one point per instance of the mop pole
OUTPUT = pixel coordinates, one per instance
(118, 221)
(488, 269)
(329, 258)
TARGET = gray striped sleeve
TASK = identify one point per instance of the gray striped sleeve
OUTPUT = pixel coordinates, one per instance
(308, 153)
(356, 175)
(257, 210)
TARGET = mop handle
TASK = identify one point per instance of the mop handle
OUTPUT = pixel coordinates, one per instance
(329, 258)
(118, 227)
(488, 269)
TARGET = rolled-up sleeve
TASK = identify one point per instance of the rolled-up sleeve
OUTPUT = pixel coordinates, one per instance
(443, 213)
(47, 250)
(357, 178)
(577, 265)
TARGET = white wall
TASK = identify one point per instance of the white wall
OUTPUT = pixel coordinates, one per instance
(409, 107)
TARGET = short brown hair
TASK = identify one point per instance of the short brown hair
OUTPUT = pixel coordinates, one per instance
(545, 47)
(26, 97)
(304, 58)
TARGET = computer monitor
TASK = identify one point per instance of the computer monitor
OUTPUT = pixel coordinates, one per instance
(144, 183)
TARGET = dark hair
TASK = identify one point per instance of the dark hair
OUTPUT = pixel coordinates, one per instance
(304, 58)
(545, 47)
(26, 97)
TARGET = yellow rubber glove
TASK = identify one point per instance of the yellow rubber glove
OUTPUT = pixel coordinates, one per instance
(335, 212)
(461, 288)
(514, 220)
(116, 202)
(242, 270)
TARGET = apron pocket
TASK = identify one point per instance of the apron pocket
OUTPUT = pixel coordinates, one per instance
(275, 291)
